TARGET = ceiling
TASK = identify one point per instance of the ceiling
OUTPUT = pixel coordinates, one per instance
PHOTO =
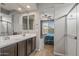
(33, 6)
(54, 5)
(15, 6)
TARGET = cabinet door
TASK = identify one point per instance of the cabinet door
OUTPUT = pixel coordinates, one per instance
(10, 50)
(1, 52)
(33, 43)
(29, 46)
(22, 48)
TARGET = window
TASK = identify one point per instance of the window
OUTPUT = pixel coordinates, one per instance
(28, 22)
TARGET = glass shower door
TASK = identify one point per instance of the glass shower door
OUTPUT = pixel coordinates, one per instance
(59, 38)
(71, 33)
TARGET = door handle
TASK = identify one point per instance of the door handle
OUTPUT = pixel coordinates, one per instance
(75, 37)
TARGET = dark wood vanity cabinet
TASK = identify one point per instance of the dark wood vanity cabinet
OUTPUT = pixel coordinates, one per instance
(29, 46)
(33, 44)
(25, 48)
(1, 52)
(10, 50)
(22, 48)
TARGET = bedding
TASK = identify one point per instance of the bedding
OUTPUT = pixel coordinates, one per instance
(49, 38)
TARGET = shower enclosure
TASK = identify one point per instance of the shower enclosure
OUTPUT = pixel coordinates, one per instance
(67, 33)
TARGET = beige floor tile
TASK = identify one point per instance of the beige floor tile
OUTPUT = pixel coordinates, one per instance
(47, 51)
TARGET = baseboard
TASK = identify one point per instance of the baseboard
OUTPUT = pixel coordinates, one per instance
(58, 54)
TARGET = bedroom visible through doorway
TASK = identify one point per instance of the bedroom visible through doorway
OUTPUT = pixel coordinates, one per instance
(47, 34)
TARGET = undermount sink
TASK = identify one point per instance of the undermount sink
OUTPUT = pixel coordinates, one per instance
(6, 38)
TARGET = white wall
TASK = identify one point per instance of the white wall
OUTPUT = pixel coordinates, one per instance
(61, 11)
(46, 9)
(17, 23)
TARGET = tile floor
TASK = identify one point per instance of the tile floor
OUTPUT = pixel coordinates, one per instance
(47, 51)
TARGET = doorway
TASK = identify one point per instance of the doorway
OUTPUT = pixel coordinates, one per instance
(47, 35)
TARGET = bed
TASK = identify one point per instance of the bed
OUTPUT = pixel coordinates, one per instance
(49, 38)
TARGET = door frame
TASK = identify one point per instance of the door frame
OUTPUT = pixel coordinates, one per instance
(41, 26)
(41, 31)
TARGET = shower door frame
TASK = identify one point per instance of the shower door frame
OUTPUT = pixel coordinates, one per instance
(75, 6)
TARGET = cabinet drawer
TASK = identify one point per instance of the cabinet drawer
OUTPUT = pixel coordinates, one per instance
(29, 46)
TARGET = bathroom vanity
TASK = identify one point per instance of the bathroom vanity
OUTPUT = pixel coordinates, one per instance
(18, 45)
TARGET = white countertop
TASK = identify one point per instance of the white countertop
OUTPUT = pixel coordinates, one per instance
(14, 39)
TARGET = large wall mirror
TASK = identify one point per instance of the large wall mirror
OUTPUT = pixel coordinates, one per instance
(5, 25)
